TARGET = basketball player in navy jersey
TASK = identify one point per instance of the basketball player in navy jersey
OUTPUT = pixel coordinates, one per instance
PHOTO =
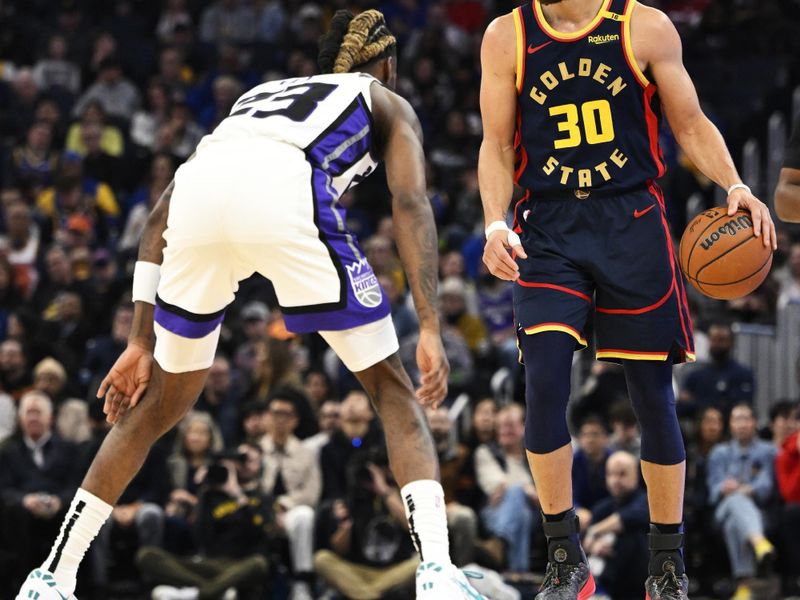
(571, 98)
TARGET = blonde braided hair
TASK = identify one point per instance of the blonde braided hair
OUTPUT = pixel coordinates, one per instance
(367, 37)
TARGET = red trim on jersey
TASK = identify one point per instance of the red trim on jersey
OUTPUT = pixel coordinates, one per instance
(682, 305)
(516, 227)
(639, 311)
(521, 152)
(552, 286)
(652, 130)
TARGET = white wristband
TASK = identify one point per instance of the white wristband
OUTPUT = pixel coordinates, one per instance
(496, 226)
(146, 276)
(739, 186)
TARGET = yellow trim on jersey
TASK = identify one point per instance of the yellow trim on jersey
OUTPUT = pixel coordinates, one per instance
(520, 48)
(637, 71)
(632, 355)
(553, 327)
(690, 356)
(573, 35)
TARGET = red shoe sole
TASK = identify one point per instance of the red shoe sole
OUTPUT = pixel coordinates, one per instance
(588, 589)
(647, 596)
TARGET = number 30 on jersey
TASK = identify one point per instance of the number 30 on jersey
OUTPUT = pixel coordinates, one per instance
(592, 123)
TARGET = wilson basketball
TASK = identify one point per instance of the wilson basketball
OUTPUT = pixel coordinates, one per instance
(721, 256)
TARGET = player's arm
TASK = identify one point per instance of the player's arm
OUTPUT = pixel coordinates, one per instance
(695, 133)
(498, 99)
(415, 230)
(787, 196)
(127, 381)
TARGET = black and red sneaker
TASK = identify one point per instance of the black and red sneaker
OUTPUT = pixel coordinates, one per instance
(564, 581)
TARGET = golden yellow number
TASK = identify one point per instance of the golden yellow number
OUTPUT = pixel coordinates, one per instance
(598, 125)
(569, 125)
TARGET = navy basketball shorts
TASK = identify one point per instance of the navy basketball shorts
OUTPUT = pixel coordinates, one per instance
(609, 254)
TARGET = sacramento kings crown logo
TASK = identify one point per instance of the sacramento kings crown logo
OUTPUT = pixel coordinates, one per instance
(364, 283)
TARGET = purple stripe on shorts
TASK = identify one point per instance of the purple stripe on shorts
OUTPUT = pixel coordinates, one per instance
(184, 327)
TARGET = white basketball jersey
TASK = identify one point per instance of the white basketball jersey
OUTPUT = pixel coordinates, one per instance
(326, 116)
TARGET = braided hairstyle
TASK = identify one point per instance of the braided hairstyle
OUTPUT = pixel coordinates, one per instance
(354, 41)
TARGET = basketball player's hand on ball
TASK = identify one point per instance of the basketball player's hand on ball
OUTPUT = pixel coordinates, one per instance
(496, 254)
(762, 221)
(433, 368)
(126, 382)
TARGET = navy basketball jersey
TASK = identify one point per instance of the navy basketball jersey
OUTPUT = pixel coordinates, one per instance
(588, 118)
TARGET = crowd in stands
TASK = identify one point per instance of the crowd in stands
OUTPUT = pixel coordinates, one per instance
(277, 485)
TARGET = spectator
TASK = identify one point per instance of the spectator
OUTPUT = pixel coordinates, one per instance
(618, 533)
(20, 108)
(22, 240)
(144, 199)
(495, 304)
(233, 527)
(329, 422)
(30, 166)
(174, 72)
(317, 387)
(589, 466)
(174, 14)
(272, 368)
(723, 382)
(68, 330)
(484, 421)
(254, 421)
(255, 318)
(50, 377)
(197, 441)
(15, 377)
(462, 522)
(453, 298)
(37, 480)
(220, 398)
(55, 71)
(9, 295)
(625, 434)
(292, 477)
(146, 122)
(117, 95)
(8, 417)
(783, 420)
(355, 436)
(74, 194)
(710, 432)
(99, 164)
(72, 421)
(94, 118)
(227, 21)
(365, 550)
(790, 286)
(179, 134)
(503, 475)
(225, 90)
(740, 483)
(787, 467)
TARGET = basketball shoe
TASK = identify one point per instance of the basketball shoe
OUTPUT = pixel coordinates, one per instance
(668, 586)
(563, 581)
(41, 585)
(438, 581)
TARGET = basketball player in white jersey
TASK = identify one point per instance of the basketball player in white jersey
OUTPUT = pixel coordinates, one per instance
(261, 195)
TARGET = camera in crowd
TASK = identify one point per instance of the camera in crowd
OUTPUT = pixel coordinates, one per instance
(217, 474)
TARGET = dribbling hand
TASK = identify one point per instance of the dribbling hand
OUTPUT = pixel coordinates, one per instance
(763, 225)
(433, 369)
(496, 255)
(126, 382)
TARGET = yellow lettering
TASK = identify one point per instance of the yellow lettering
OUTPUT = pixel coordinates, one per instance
(565, 173)
(602, 168)
(540, 97)
(616, 86)
(585, 178)
(618, 158)
(602, 72)
(549, 80)
(585, 67)
(551, 165)
(565, 74)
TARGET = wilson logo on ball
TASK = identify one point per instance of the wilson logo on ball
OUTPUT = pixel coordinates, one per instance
(732, 227)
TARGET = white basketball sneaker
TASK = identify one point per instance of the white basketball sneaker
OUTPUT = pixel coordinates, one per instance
(439, 581)
(41, 585)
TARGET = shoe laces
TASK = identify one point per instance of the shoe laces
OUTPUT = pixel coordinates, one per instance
(557, 574)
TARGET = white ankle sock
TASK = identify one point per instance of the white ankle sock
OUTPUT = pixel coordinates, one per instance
(427, 519)
(85, 517)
